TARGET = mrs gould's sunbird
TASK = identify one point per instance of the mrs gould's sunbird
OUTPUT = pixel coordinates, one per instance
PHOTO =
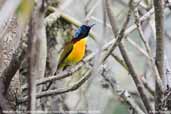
(74, 51)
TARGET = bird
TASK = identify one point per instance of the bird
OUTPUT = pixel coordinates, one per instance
(74, 50)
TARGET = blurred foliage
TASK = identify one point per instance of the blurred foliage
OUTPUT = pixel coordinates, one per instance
(53, 3)
(116, 106)
(146, 1)
(24, 11)
(120, 108)
(60, 29)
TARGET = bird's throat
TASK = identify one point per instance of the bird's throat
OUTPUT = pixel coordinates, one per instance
(74, 40)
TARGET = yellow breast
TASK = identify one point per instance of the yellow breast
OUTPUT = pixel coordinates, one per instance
(77, 52)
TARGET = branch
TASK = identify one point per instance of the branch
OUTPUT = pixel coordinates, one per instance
(130, 100)
(159, 6)
(134, 75)
(37, 52)
(136, 79)
(61, 75)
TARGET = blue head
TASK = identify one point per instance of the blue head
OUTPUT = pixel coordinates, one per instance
(83, 31)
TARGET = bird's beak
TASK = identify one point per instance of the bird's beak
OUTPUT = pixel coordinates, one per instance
(92, 25)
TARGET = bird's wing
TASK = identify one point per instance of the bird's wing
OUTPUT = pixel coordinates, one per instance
(66, 51)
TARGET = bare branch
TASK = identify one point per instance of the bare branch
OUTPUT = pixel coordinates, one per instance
(134, 75)
(136, 79)
(158, 6)
(37, 52)
(61, 75)
(159, 26)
